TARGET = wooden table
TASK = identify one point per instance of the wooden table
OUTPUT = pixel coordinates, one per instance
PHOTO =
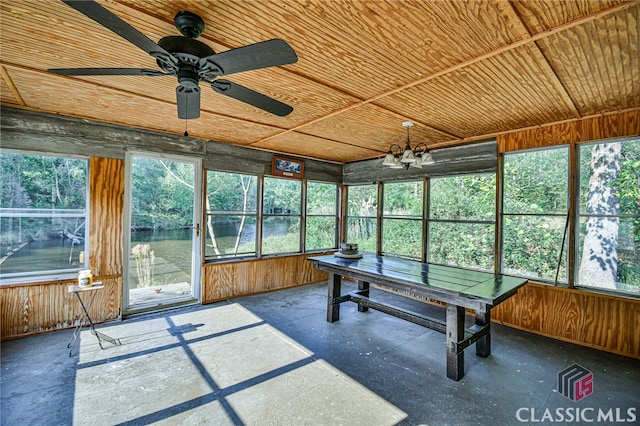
(458, 288)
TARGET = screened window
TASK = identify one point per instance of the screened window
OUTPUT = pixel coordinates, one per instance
(362, 209)
(609, 215)
(282, 201)
(43, 215)
(402, 219)
(535, 213)
(322, 216)
(462, 220)
(230, 215)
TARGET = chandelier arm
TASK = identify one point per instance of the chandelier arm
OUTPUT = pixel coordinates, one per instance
(421, 147)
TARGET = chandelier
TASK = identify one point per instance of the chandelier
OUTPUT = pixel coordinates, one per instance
(398, 158)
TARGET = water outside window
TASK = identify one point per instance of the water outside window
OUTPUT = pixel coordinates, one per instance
(164, 232)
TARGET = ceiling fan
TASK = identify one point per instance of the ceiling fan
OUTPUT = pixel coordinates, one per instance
(191, 61)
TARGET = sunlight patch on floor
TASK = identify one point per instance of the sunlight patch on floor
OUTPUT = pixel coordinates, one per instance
(216, 365)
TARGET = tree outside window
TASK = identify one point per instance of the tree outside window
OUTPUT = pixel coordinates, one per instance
(231, 215)
(609, 215)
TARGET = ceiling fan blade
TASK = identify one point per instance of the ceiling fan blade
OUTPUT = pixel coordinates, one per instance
(270, 53)
(107, 71)
(108, 20)
(188, 101)
(251, 97)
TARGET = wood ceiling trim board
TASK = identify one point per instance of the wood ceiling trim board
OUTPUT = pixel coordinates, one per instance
(12, 87)
(420, 129)
(539, 36)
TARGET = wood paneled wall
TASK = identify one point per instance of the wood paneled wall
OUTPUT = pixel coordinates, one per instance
(106, 215)
(46, 306)
(226, 280)
(586, 318)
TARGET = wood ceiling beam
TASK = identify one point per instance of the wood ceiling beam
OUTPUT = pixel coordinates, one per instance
(12, 87)
(519, 43)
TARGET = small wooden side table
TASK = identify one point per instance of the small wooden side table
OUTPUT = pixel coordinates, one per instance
(90, 294)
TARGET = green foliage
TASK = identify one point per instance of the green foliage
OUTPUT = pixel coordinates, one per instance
(321, 232)
(536, 193)
(469, 197)
(362, 201)
(225, 192)
(42, 182)
(282, 195)
(462, 244)
(162, 194)
(402, 237)
(628, 191)
(362, 207)
(322, 198)
(536, 181)
(285, 240)
(532, 246)
(403, 199)
(36, 189)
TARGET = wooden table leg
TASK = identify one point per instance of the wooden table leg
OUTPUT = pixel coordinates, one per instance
(483, 345)
(455, 333)
(363, 288)
(334, 285)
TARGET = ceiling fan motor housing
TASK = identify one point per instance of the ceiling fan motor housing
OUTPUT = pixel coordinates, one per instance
(189, 24)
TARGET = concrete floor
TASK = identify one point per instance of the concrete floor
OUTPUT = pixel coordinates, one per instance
(272, 359)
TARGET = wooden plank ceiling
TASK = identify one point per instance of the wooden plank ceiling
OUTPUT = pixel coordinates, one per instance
(461, 71)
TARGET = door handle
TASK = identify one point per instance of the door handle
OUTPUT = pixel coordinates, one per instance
(197, 230)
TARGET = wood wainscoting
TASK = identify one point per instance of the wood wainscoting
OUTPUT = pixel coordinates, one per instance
(232, 279)
(609, 323)
(47, 306)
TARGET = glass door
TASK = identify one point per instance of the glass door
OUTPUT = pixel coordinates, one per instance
(162, 231)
